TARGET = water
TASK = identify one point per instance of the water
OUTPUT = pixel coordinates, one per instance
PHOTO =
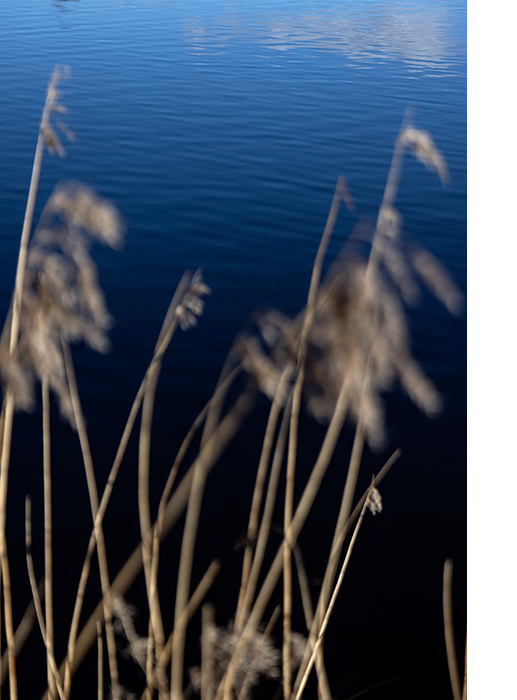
(219, 131)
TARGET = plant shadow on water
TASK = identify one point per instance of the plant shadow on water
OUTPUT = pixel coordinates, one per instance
(295, 396)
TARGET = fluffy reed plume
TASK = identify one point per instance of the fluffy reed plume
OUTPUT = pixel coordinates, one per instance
(61, 296)
(52, 106)
(259, 658)
(423, 148)
(374, 501)
(123, 615)
(359, 335)
(192, 305)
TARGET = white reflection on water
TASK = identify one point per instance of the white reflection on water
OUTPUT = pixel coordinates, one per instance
(422, 34)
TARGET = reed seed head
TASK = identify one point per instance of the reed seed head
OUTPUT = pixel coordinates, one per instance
(259, 658)
(374, 501)
(192, 304)
(52, 106)
(61, 299)
(423, 148)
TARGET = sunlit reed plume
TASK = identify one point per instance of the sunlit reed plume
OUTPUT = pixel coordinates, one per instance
(61, 296)
(259, 659)
(123, 615)
(52, 106)
(423, 148)
(192, 305)
(359, 334)
(374, 501)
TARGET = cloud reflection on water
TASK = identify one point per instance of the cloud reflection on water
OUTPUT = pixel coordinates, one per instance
(422, 35)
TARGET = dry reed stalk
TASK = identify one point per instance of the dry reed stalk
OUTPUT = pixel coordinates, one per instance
(211, 453)
(344, 522)
(293, 431)
(333, 599)
(61, 299)
(100, 666)
(6, 577)
(217, 399)
(46, 137)
(160, 348)
(201, 469)
(303, 582)
(323, 683)
(187, 305)
(207, 652)
(36, 597)
(251, 536)
(302, 511)
(192, 605)
(94, 505)
(265, 525)
(144, 450)
(448, 625)
(20, 636)
(210, 410)
(215, 406)
(184, 576)
(47, 514)
(344, 513)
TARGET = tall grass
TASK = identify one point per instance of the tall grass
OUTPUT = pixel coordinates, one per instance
(334, 360)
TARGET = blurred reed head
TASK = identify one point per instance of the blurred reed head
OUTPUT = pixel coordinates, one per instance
(359, 337)
(62, 300)
(192, 304)
(422, 146)
(52, 107)
(259, 658)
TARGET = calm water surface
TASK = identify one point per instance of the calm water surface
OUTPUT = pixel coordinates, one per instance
(219, 129)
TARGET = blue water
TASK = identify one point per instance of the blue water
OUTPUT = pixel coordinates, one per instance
(219, 129)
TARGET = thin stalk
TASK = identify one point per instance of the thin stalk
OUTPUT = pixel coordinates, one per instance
(94, 503)
(100, 667)
(302, 511)
(267, 515)
(47, 514)
(388, 199)
(293, 433)
(188, 611)
(211, 453)
(207, 652)
(6, 577)
(159, 350)
(324, 688)
(332, 563)
(20, 636)
(464, 694)
(342, 529)
(212, 408)
(331, 604)
(36, 596)
(201, 469)
(216, 401)
(9, 403)
(448, 625)
(267, 444)
(144, 457)
(184, 576)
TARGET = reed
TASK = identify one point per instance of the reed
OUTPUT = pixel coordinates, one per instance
(335, 359)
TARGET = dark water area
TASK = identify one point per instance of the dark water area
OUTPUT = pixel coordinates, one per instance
(219, 129)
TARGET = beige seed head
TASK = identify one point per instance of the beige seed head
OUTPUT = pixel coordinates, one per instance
(423, 148)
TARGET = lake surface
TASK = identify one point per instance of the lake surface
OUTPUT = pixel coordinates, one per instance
(219, 130)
